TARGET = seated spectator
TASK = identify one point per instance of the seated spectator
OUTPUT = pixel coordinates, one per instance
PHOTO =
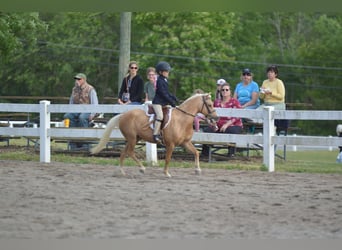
(82, 93)
(218, 87)
(247, 91)
(229, 125)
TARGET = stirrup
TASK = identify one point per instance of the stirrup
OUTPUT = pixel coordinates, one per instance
(157, 138)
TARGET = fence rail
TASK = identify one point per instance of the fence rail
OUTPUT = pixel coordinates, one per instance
(45, 133)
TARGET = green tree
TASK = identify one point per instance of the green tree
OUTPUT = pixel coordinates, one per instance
(195, 49)
(73, 42)
(18, 36)
(82, 42)
(18, 30)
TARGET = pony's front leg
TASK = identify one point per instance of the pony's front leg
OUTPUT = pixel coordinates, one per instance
(191, 148)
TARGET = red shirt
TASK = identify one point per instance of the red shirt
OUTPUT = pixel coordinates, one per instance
(232, 103)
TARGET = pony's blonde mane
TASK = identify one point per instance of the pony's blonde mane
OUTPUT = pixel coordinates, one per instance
(191, 104)
(194, 96)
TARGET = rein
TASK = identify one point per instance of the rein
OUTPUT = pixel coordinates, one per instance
(185, 112)
(204, 104)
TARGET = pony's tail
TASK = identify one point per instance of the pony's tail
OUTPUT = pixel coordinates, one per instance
(112, 124)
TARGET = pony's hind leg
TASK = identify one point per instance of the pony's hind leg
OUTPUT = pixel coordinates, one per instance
(129, 150)
(122, 159)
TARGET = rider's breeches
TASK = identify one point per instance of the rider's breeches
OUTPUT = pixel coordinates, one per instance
(159, 118)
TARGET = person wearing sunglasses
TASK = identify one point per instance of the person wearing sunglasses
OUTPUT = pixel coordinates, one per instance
(247, 91)
(229, 125)
(132, 86)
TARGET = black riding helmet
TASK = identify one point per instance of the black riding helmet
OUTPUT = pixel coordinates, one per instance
(163, 66)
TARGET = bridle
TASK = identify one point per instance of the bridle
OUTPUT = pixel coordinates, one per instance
(205, 104)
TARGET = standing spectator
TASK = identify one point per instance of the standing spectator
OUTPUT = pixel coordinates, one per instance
(339, 134)
(247, 91)
(132, 86)
(82, 93)
(162, 97)
(229, 125)
(272, 90)
(150, 86)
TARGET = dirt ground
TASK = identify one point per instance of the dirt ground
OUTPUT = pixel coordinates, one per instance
(68, 201)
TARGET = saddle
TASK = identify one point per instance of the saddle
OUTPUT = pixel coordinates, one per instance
(166, 114)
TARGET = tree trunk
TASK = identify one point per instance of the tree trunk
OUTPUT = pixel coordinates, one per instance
(125, 45)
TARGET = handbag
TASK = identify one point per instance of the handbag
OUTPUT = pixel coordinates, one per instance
(125, 96)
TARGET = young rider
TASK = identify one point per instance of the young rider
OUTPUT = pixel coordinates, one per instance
(162, 97)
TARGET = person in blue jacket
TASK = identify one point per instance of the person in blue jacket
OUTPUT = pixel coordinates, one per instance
(162, 97)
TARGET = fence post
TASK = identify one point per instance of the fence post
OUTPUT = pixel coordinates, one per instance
(294, 147)
(44, 136)
(268, 115)
(330, 147)
(151, 154)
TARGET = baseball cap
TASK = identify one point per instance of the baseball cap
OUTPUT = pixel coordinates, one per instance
(221, 82)
(246, 71)
(80, 75)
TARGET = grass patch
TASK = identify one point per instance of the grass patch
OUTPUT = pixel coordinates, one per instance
(311, 161)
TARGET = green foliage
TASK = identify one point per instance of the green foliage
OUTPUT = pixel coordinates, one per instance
(40, 52)
(190, 47)
(18, 30)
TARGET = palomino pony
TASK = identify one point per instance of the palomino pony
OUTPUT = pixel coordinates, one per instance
(135, 125)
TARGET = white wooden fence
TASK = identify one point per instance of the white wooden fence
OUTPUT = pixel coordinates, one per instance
(268, 139)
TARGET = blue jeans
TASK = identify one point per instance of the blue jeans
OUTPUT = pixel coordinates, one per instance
(78, 119)
(135, 103)
(255, 106)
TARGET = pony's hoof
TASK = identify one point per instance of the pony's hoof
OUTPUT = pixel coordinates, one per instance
(198, 171)
(119, 174)
(142, 170)
(167, 174)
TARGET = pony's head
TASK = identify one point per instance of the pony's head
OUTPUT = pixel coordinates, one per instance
(200, 103)
(209, 110)
(206, 107)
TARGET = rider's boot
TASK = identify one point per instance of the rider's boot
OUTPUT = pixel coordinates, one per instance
(156, 132)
